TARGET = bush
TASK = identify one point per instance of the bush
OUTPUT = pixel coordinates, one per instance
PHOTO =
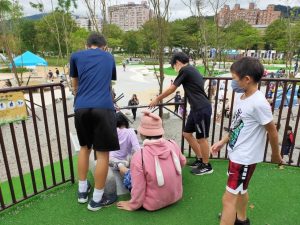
(55, 61)
(273, 61)
(151, 63)
(8, 70)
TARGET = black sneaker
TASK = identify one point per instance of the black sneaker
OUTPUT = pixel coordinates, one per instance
(202, 169)
(83, 196)
(196, 163)
(105, 201)
(245, 222)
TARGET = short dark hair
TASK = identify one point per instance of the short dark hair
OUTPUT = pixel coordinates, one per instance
(290, 128)
(179, 56)
(122, 120)
(153, 137)
(96, 39)
(248, 66)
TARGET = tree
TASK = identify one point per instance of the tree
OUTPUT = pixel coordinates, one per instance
(92, 13)
(47, 38)
(130, 42)
(178, 34)
(114, 36)
(149, 41)
(28, 35)
(276, 35)
(59, 23)
(9, 14)
(161, 15)
(64, 6)
(78, 39)
(216, 5)
(196, 8)
(283, 37)
(241, 35)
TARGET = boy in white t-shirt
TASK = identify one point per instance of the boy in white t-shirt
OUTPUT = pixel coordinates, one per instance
(246, 140)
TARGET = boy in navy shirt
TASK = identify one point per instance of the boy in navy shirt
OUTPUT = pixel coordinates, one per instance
(92, 71)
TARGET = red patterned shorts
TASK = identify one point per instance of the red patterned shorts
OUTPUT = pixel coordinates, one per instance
(239, 177)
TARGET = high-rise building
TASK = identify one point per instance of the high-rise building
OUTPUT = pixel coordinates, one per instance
(252, 15)
(269, 15)
(85, 22)
(129, 16)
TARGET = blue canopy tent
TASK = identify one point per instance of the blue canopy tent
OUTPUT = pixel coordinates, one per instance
(29, 59)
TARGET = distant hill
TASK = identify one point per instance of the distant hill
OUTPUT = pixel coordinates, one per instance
(36, 16)
(41, 15)
(286, 11)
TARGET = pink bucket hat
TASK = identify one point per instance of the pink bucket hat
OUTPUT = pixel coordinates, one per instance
(150, 125)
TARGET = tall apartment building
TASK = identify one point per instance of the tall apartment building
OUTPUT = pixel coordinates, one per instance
(129, 16)
(252, 15)
(85, 22)
(269, 15)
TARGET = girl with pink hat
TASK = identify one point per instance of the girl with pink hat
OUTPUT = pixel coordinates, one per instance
(155, 176)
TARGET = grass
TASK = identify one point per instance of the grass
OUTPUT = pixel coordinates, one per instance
(8, 70)
(55, 61)
(274, 200)
(275, 67)
(171, 72)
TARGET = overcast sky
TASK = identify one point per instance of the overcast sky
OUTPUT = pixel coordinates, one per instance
(177, 8)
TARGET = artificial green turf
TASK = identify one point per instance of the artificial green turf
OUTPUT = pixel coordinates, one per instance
(274, 197)
(38, 179)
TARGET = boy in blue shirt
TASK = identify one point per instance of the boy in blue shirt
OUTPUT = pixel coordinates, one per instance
(92, 71)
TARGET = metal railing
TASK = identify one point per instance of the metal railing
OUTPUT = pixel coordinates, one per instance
(35, 152)
(282, 96)
(42, 143)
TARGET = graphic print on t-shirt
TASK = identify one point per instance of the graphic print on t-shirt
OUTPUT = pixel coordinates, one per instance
(236, 127)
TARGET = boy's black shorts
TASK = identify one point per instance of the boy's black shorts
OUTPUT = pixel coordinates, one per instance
(97, 129)
(199, 122)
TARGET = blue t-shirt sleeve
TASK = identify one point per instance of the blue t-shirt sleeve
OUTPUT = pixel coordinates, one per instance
(73, 67)
(114, 71)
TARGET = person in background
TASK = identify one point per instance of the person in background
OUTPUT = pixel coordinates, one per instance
(57, 72)
(177, 99)
(296, 67)
(288, 142)
(50, 74)
(213, 88)
(133, 102)
(124, 66)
